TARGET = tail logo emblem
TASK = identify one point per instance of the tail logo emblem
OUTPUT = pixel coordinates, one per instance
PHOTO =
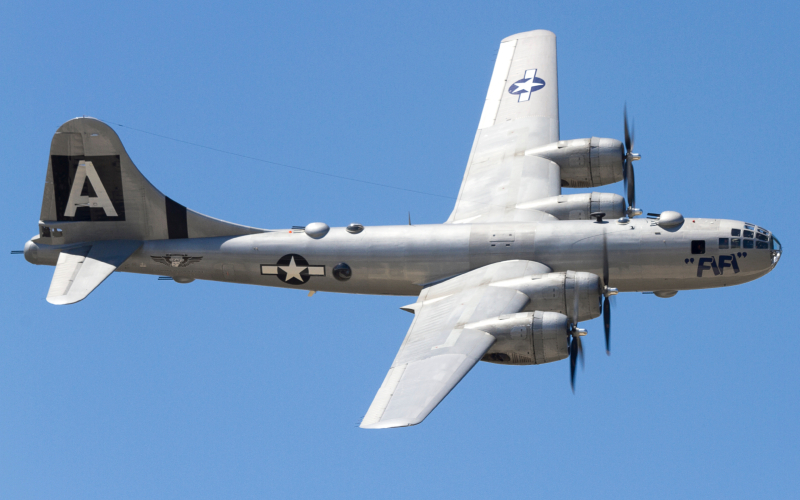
(101, 200)
(526, 86)
(292, 269)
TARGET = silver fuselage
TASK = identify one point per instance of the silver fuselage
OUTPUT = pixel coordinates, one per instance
(401, 260)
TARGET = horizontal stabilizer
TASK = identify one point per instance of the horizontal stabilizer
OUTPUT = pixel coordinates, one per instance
(80, 270)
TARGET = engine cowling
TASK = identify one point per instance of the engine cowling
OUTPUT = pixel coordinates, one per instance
(555, 292)
(542, 334)
(585, 162)
(526, 338)
(579, 206)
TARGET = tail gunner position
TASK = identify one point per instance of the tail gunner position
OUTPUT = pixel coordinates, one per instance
(506, 279)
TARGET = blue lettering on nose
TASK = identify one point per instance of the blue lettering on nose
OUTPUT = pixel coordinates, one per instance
(703, 265)
(724, 262)
(710, 264)
(728, 261)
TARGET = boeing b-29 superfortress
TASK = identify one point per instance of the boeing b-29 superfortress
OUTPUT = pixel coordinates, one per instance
(506, 279)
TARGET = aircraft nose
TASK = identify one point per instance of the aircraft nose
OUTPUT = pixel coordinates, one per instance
(776, 249)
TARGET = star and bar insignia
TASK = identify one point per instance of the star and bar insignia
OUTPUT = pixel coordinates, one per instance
(292, 269)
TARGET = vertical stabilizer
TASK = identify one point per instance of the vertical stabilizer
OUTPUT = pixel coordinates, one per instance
(94, 192)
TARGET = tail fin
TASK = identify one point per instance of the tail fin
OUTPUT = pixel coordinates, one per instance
(94, 192)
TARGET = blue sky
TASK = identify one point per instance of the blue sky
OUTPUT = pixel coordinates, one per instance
(209, 390)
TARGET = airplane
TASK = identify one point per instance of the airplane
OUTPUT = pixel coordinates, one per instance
(506, 279)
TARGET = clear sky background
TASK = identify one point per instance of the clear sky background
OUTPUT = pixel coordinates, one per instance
(153, 389)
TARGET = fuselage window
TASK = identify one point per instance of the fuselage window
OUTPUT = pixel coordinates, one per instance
(699, 246)
(735, 242)
(748, 234)
(736, 232)
(342, 272)
(723, 242)
(762, 245)
(747, 244)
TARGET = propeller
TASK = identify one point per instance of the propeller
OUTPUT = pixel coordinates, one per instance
(607, 292)
(627, 170)
(575, 346)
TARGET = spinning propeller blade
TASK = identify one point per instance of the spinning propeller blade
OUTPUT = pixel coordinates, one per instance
(608, 292)
(575, 346)
(607, 324)
(627, 173)
(575, 351)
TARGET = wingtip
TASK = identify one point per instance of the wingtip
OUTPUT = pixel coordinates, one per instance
(62, 300)
(529, 34)
(389, 424)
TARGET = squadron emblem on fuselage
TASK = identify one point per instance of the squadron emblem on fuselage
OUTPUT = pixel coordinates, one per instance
(292, 269)
(175, 259)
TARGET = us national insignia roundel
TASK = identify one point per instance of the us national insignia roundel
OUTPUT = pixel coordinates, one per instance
(524, 87)
(292, 269)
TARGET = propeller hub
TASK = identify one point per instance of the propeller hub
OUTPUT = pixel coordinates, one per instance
(635, 156)
(609, 291)
(633, 212)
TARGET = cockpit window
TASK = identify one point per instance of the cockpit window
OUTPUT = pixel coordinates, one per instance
(699, 246)
(748, 234)
(747, 244)
(762, 245)
(763, 231)
(736, 232)
(749, 226)
(761, 237)
(723, 242)
(735, 242)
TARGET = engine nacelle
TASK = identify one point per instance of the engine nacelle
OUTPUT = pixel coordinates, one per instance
(542, 335)
(585, 162)
(526, 338)
(555, 292)
(579, 206)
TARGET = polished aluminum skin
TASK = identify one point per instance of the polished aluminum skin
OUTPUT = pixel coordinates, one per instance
(506, 279)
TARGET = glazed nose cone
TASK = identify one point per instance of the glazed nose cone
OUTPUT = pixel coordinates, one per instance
(776, 249)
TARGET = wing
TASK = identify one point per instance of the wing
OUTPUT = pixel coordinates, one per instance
(437, 351)
(81, 270)
(520, 112)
